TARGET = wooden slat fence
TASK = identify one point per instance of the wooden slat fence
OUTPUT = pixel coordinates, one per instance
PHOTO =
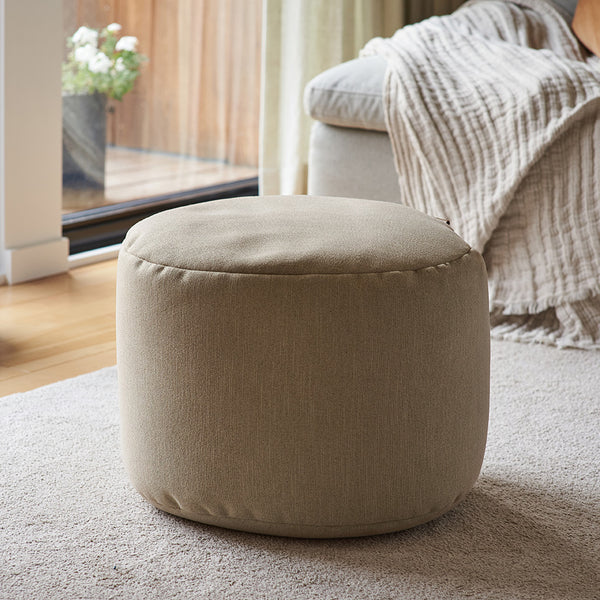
(199, 94)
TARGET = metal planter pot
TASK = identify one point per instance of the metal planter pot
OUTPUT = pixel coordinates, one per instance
(84, 140)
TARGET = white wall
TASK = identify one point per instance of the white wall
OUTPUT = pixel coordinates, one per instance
(31, 241)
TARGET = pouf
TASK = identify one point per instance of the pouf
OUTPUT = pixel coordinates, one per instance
(302, 366)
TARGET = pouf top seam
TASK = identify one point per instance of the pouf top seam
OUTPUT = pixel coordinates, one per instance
(444, 264)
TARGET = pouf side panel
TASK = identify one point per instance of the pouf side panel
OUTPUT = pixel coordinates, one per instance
(269, 389)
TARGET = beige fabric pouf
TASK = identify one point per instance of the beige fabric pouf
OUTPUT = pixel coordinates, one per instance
(302, 366)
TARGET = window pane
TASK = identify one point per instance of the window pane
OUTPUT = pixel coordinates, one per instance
(191, 119)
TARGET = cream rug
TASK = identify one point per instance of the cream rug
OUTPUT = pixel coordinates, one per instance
(72, 527)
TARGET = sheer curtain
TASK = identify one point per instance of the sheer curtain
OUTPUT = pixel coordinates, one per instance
(301, 38)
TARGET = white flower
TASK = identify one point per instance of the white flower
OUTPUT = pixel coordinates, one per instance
(84, 36)
(120, 65)
(128, 43)
(100, 63)
(114, 28)
(84, 54)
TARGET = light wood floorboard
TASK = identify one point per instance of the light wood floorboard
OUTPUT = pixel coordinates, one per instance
(58, 327)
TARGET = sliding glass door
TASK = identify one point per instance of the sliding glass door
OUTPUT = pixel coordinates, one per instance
(160, 108)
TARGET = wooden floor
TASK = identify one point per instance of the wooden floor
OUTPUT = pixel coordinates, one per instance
(63, 326)
(135, 174)
(55, 328)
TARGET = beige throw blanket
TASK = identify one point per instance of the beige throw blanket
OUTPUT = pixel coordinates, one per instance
(494, 117)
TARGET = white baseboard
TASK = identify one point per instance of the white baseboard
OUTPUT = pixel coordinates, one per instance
(39, 260)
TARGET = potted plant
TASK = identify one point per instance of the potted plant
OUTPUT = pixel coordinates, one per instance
(100, 65)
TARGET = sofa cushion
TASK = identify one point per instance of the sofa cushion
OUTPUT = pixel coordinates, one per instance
(349, 95)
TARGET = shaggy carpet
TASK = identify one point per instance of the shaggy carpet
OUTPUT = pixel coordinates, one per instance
(72, 527)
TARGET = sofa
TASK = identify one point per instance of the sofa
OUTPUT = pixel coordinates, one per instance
(350, 152)
(538, 234)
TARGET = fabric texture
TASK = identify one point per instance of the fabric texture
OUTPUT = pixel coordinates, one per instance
(313, 367)
(566, 6)
(294, 235)
(510, 157)
(73, 528)
(349, 95)
(352, 163)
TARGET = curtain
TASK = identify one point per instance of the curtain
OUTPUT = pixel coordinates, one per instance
(302, 38)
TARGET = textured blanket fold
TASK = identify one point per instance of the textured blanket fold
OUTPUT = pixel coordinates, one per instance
(494, 117)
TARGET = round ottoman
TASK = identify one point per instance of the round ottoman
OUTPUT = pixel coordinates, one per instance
(302, 366)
